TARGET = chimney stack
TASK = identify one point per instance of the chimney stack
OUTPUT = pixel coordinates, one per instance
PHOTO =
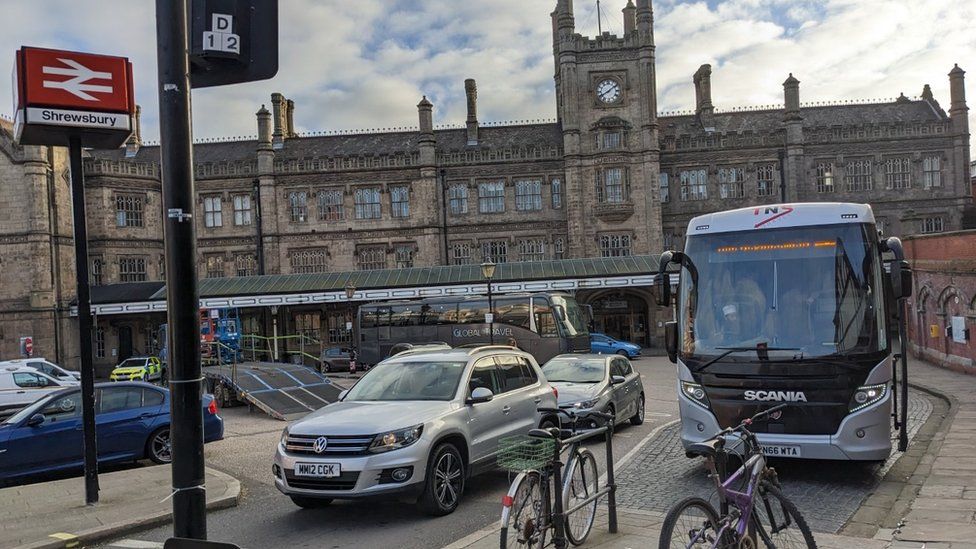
(703, 90)
(630, 18)
(791, 97)
(425, 109)
(264, 129)
(135, 140)
(957, 90)
(471, 92)
(290, 119)
(278, 108)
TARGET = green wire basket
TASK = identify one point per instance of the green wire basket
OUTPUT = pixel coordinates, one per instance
(522, 452)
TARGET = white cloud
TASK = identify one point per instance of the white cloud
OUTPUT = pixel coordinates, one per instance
(365, 64)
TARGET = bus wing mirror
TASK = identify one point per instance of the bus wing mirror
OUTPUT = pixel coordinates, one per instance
(671, 340)
(901, 279)
(663, 280)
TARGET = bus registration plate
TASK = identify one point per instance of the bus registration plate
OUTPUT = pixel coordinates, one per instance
(318, 470)
(781, 451)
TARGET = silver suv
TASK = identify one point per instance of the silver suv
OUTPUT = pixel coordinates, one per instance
(417, 424)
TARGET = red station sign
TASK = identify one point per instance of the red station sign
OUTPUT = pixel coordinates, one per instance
(59, 94)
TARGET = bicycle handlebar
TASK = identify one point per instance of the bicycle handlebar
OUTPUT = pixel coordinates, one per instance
(575, 413)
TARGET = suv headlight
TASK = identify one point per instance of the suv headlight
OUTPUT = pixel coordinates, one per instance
(695, 393)
(395, 440)
(868, 395)
(284, 437)
(586, 403)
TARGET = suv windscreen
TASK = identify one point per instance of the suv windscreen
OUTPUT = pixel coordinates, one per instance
(420, 380)
(575, 370)
(132, 363)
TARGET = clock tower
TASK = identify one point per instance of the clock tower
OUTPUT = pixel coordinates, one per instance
(606, 104)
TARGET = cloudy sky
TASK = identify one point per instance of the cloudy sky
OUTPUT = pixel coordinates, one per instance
(360, 64)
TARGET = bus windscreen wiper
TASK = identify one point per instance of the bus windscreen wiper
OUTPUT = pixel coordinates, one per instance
(762, 351)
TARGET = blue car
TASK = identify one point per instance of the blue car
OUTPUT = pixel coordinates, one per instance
(132, 422)
(606, 345)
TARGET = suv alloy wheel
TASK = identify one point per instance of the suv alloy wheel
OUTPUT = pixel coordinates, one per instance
(445, 481)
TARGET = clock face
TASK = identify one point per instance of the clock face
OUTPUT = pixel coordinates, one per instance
(608, 91)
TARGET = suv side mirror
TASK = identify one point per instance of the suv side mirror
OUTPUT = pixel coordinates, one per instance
(617, 380)
(480, 394)
(671, 340)
(35, 420)
(343, 394)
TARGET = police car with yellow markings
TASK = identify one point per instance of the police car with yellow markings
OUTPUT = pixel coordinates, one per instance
(142, 368)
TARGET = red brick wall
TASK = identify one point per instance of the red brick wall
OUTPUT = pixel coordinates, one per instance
(944, 286)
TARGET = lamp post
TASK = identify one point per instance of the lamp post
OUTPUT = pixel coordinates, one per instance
(488, 271)
(350, 293)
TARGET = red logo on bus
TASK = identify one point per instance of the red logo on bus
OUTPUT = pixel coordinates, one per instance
(775, 211)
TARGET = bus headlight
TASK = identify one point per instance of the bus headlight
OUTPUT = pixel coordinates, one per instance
(868, 395)
(695, 393)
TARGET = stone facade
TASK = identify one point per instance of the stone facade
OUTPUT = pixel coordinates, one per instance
(944, 267)
(612, 176)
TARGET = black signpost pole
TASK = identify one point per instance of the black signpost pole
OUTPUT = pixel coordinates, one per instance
(182, 297)
(84, 320)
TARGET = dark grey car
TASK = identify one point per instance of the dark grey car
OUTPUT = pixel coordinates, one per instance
(335, 359)
(606, 383)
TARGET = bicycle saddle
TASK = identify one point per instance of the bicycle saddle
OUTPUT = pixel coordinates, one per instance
(551, 432)
(708, 448)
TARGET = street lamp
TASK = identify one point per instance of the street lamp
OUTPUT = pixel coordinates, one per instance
(488, 271)
(350, 293)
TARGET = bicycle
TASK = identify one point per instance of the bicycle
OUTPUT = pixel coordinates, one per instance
(531, 509)
(758, 513)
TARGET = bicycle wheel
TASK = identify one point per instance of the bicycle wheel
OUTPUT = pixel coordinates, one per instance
(582, 481)
(776, 521)
(523, 513)
(692, 522)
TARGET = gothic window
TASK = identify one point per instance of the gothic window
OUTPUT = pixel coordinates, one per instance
(495, 251)
(400, 201)
(128, 210)
(97, 271)
(898, 173)
(307, 261)
(367, 203)
(338, 334)
(528, 195)
(558, 247)
(731, 183)
(371, 257)
(404, 255)
(461, 253)
(298, 203)
(615, 245)
(881, 224)
(933, 225)
(668, 240)
(694, 184)
(132, 269)
(99, 342)
(609, 140)
(458, 196)
(859, 175)
(330, 205)
(665, 186)
(764, 179)
(242, 209)
(245, 264)
(825, 177)
(213, 211)
(215, 265)
(612, 186)
(308, 325)
(161, 265)
(532, 249)
(491, 197)
(557, 193)
(932, 171)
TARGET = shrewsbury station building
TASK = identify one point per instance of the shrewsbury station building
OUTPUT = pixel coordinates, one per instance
(582, 203)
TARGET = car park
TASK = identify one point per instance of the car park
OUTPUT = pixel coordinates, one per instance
(142, 368)
(45, 366)
(604, 344)
(21, 386)
(415, 425)
(605, 383)
(132, 422)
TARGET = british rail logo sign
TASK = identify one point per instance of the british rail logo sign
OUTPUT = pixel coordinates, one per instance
(59, 93)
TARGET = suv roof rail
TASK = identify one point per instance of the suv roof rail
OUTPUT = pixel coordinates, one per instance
(438, 348)
(495, 347)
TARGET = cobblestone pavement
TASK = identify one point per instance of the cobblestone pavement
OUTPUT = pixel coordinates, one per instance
(827, 493)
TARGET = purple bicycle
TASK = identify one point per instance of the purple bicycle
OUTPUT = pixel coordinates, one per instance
(755, 513)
